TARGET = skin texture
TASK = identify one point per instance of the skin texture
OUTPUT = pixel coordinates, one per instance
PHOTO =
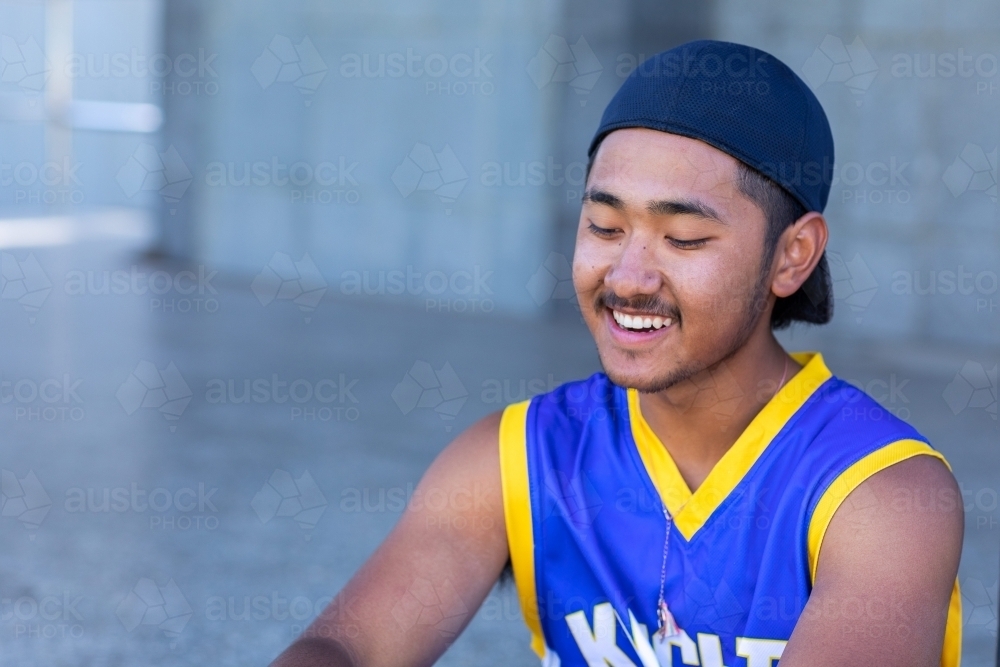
(665, 232)
(885, 573)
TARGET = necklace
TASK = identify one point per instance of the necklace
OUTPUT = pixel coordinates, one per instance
(667, 627)
(784, 374)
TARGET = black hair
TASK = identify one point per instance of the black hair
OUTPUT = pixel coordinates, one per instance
(813, 301)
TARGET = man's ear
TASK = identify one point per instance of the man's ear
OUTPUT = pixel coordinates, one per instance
(799, 250)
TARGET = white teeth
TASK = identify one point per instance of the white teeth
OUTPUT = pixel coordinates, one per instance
(638, 323)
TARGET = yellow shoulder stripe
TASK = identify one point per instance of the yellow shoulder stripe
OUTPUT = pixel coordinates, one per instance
(517, 515)
(842, 487)
(849, 480)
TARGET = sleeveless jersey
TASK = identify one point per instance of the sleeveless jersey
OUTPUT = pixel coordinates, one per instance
(585, 482)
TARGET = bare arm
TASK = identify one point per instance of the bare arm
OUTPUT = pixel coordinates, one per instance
(885, 573)
(422, 586)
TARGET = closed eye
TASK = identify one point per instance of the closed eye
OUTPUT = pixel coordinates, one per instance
(603, 232)
(687, 244)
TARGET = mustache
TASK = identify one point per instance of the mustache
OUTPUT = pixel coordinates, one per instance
(645, 303)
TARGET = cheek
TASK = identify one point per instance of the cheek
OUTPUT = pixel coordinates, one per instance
(590, 264)
(714, 282)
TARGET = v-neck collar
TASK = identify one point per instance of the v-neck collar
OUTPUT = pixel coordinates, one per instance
(691, 510)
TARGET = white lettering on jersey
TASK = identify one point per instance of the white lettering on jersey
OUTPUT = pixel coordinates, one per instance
(664, 650)
(639, 638)
(710, 648)
(599, 648)
(759, 652)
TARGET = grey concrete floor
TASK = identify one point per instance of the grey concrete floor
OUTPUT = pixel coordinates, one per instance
(229, 502)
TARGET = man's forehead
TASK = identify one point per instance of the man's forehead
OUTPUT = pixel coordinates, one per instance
(634, 159)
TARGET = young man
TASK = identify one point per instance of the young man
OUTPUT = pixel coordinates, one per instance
(710, 500)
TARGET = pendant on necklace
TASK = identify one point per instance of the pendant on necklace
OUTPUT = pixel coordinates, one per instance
(668, 626)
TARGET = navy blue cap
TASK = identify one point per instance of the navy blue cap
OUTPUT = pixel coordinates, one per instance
(741, 100)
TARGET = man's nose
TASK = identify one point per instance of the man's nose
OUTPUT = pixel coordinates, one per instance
(636, 271)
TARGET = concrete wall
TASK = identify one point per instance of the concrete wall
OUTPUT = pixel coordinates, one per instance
(396, 160)
(907, 212)
(915, 236)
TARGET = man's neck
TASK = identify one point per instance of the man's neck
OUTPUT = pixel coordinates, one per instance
(698, 420)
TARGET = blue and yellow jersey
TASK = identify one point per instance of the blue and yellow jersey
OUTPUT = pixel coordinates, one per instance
(585, 481)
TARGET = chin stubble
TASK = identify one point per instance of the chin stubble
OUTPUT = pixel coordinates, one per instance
(755, 307)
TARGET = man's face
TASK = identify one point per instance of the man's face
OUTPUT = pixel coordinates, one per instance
(668, 257)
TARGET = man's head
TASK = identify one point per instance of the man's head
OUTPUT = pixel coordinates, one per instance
(679, 228)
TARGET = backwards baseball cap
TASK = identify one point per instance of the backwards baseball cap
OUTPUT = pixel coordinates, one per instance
(741, 100)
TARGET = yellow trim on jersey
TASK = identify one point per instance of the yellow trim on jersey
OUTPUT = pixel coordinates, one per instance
(842, 487)
(691, 510)
(673, 490)
(517, 515)
(849, 480)
(951, 651)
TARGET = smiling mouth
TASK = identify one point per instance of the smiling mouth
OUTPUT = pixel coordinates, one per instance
(640, 322)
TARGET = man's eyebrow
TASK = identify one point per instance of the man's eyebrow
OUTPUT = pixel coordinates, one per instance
(606, 198)
(684, 207)
(657, 207)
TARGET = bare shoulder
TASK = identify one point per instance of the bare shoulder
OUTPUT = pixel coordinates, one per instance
(450, 545)
(460, 497)
(915, 499)
(917, 472)
(477, 445)
(886, 571)
(912, 507)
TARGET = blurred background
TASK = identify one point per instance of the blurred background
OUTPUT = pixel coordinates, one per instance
(261, 261)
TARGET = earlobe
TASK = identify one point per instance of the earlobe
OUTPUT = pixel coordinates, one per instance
(799, 251)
